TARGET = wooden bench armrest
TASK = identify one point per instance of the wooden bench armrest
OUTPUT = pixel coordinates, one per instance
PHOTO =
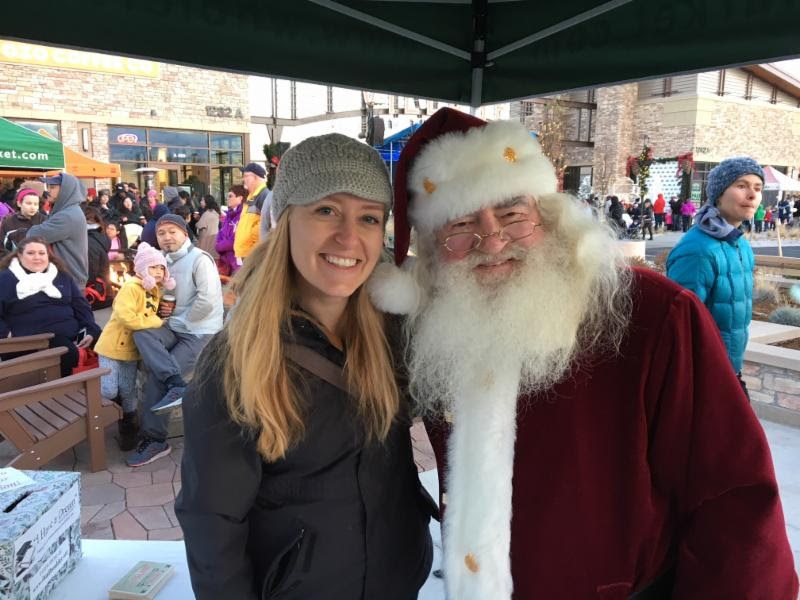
(45, 391)
(31, 362)
(24, 343)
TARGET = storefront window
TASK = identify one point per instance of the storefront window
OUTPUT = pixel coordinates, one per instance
(182, 158)
(163, 137)
(47, 126)
(120, 153)
(221, 157)
(226, 142)
(179, 155)
(127, 135)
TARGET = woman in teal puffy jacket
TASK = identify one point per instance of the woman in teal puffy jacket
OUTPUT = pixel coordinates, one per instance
(713, 259)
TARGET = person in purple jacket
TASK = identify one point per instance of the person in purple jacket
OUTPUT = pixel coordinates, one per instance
(38, 295)
(228, 264)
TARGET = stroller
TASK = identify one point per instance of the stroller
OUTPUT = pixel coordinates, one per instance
(633, 228)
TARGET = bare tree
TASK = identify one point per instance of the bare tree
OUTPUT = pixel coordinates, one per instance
(603, 172)
(552, 129)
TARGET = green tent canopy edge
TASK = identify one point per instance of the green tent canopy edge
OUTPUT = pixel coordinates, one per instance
(21, 148)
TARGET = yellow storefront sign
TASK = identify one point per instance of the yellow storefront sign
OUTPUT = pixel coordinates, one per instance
(46, 56)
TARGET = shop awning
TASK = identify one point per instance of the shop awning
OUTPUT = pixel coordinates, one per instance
(85, 166)
(22, 149)
(467, 51)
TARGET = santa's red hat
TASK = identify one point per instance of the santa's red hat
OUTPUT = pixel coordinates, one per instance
(453, 165)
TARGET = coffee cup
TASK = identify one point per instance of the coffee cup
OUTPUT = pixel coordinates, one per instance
(167, 303)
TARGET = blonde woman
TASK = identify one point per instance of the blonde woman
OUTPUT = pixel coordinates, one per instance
(292, 486)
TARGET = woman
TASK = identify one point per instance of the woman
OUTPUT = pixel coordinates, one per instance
(98, 290)
(687, 214)
(615, 211)
(208, 225)
(148, 204)
(118, 243)
(293, 488)
(647, 218)
(129, 212)
(227, 262)
(37, 295)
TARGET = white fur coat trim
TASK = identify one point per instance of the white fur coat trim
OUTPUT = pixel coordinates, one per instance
(477, 524)
(459, 173)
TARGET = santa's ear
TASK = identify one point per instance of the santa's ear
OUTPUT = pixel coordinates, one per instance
(394, 289)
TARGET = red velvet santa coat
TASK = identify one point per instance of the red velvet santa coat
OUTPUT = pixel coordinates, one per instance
(644, 461)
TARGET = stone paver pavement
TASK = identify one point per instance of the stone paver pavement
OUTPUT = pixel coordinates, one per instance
(139, 504)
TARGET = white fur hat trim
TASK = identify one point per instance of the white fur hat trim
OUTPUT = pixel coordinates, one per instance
(461, 172)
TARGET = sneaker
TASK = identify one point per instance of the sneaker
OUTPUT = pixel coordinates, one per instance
(148, 451)
(172, 399)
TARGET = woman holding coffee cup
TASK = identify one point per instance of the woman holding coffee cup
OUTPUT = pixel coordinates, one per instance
(298, 476)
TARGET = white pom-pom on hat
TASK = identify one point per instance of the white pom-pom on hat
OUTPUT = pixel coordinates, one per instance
(394, 289)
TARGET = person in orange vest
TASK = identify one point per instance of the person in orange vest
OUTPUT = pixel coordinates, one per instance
(254, 179)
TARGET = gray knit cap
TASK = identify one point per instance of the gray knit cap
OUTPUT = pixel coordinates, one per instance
(329, 164)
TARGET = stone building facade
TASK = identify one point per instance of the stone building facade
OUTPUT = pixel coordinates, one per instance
(190, 123)
(751, 110)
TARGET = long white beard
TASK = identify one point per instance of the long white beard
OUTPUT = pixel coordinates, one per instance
(470, 327)
(475, 347)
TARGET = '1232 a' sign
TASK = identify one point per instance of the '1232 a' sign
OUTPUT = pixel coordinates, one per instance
(224, 112)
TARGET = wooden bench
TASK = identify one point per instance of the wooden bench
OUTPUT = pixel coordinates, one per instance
(27, 343)
(45, 419)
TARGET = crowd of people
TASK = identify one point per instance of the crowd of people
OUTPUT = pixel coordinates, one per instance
(592, 433)
(86, 236)
(634, 218)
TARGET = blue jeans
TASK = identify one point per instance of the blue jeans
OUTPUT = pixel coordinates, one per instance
(165, 353)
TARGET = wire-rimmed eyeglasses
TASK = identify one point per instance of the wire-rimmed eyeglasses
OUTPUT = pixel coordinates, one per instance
(467, 241)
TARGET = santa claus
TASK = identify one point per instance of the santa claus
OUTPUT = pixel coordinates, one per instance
(591, 436)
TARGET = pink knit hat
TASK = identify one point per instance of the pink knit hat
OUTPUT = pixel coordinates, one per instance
(147, 256)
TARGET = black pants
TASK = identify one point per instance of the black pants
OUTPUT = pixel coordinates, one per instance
(69, 360)
(647, 226)
(686, 222)
(659, 220)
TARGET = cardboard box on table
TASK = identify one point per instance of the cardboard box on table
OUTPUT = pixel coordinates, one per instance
(40, 534)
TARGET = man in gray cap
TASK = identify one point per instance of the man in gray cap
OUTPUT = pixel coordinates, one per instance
(170, 351)
(254, 179)
(65, 228)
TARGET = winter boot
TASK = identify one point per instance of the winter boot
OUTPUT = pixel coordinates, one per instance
(128, 427)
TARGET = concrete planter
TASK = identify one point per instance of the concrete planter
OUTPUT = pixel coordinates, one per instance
(772, 373)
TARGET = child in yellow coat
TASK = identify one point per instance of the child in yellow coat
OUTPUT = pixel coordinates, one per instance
(135, 308)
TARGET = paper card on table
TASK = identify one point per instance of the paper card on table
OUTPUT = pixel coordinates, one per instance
(12, 479)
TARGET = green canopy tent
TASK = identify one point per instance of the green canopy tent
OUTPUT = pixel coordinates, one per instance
(23, 149)
(467, 51)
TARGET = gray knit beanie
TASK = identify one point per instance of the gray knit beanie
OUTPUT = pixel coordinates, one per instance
(728, 171)
(329, 164)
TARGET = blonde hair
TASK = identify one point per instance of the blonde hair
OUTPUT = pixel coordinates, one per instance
(257, 383)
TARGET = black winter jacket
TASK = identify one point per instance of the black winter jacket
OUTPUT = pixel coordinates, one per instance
(99, 245)
(335, 519)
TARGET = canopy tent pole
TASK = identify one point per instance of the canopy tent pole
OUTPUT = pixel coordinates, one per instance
(558, 27)
(385, 25)
(480, 16)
